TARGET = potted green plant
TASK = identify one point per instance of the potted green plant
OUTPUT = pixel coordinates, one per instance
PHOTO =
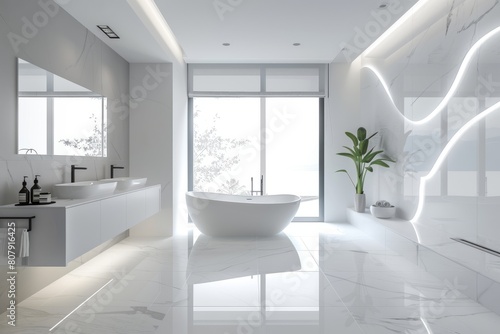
(364, 159)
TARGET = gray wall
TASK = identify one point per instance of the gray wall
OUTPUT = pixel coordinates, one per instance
(158, 135)
(45, 35)
(341, 114)
(151, 138)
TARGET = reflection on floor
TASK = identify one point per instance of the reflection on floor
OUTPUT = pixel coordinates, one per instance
(315, 278)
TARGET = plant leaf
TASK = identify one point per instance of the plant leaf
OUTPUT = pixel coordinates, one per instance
(371, 136)
(370, 169)
(379, 162)
(350, 150)
(361, 133)
(357, 152)
(369, 157)
(348, 175)
(370, 151)
(349, 155)
(363, 146)
(353, 138)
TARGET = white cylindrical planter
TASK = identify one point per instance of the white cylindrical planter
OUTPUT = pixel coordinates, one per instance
(359, 202)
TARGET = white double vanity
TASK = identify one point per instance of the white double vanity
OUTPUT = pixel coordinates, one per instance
(69, 228)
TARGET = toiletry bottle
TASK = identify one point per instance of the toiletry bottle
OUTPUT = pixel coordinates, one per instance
(24, 194)
(35, 191)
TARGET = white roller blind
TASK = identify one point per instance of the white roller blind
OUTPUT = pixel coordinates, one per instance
(257, 80)
(232, 79)
(291, 79)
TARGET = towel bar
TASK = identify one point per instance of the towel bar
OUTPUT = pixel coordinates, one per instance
(29, 219)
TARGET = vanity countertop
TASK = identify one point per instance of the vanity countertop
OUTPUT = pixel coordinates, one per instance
(68, 203)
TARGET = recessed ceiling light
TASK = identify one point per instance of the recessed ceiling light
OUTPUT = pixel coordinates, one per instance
(108, 31)
(296, 44)
(226, 44)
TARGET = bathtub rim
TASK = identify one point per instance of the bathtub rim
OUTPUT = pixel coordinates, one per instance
(212, 196)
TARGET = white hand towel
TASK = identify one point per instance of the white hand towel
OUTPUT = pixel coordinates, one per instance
(24, 248)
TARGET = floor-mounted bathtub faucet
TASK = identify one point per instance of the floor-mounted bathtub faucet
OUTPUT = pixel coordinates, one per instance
(261, 191)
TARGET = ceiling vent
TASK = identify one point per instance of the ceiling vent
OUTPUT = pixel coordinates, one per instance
(108, 31)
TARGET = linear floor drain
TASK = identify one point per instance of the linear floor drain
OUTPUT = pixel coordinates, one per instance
(477, 246)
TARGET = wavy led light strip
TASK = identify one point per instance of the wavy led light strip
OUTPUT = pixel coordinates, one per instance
(444, 154)
(454, 86)
(437, 110)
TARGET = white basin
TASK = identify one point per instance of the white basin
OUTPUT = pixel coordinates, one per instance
(126, 183)
(84, 189)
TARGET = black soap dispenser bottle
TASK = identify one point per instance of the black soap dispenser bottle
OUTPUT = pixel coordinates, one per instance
(24, 194)
(35, 191)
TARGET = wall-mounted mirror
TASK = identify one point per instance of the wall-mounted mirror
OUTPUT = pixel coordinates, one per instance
(58, 117)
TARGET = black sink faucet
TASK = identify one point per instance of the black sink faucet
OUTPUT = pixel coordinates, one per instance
(73, 168)
(113, 167)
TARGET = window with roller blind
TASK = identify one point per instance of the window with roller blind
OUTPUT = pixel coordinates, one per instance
(253, 121)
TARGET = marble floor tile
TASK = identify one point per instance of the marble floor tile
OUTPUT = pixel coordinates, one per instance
(311, 320)
(456, 320)
(384, 289)
(215, 320)
(111, 319)
(281, 242)
(300, 289)
(314, 278)
(355, 260)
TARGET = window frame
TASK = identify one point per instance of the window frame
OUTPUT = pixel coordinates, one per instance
(321, 104)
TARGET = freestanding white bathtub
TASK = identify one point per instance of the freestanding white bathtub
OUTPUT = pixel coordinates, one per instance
(221, 215)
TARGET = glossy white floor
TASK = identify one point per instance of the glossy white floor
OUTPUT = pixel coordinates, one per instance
(315, 278)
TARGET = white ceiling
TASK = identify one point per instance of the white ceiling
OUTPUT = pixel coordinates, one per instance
(259, 31)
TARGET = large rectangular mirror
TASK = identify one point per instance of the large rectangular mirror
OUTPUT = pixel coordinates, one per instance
(58, 117)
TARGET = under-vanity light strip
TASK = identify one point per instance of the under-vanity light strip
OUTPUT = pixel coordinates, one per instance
(86, 300)
(154, 21)
(456, 137)
(477, 246)
(454, 86)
